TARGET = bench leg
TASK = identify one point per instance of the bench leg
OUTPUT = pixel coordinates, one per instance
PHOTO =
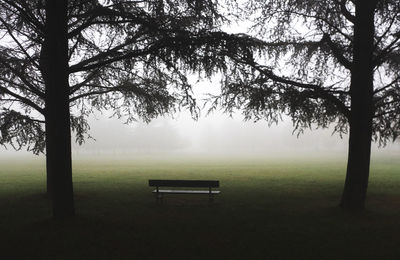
(210, 195)
(159, 197)
(158, 194)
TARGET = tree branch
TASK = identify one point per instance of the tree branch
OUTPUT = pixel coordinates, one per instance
(107, 12)
(32, 88)
(380, 59)
(387, 86)
(30, 18)
(92, 93)
(98, 61)
(21, 86)
(395, 111)
(324, 20)
(337, 52)
(22, 99)
(379, 40)
(350, 17)
(19, 44)
(323, 93)
(76, 87)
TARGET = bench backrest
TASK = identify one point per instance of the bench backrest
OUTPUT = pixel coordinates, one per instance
(184, 183)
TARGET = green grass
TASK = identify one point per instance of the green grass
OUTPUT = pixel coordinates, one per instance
(267, 210)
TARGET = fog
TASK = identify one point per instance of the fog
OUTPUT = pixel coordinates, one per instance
(216, 135)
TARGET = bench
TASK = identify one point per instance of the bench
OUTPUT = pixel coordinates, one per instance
(185, 184)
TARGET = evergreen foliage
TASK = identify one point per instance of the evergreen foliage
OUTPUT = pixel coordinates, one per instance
(306, 67)
(131, 57)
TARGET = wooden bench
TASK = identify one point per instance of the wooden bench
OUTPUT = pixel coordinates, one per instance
(185, 184)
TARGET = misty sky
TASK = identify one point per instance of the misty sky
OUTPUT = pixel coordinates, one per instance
(213, 135)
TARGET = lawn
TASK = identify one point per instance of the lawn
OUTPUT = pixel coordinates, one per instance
(268, 209)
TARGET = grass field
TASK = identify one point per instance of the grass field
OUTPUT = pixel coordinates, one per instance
(277, 209)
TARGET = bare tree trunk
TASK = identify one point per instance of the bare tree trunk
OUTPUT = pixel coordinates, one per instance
(49, 190)
(362, 110)
(54, 65)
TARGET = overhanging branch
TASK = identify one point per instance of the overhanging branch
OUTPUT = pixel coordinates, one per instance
(350, 17)
(321, 92)
(22, 99)
(23, 50)
(22, 77)
(337, 52)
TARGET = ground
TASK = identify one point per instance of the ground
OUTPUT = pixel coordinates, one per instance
(268, 209)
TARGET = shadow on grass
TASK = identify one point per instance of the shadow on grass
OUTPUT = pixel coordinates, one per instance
(183, 228)
(262, 213)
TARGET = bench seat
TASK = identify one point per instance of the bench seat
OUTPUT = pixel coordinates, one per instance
(188, 191)
(182, 184)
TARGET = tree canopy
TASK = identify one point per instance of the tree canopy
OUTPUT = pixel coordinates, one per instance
(62, 60)
(319, 62)
(131, 57)
(333, 62)
(306, 66)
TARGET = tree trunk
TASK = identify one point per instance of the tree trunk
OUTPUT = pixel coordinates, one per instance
(54, 66)
(361, 91)
(49, 191)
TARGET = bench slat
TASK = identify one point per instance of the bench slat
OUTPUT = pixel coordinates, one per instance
(184, 183)
(187, 191)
